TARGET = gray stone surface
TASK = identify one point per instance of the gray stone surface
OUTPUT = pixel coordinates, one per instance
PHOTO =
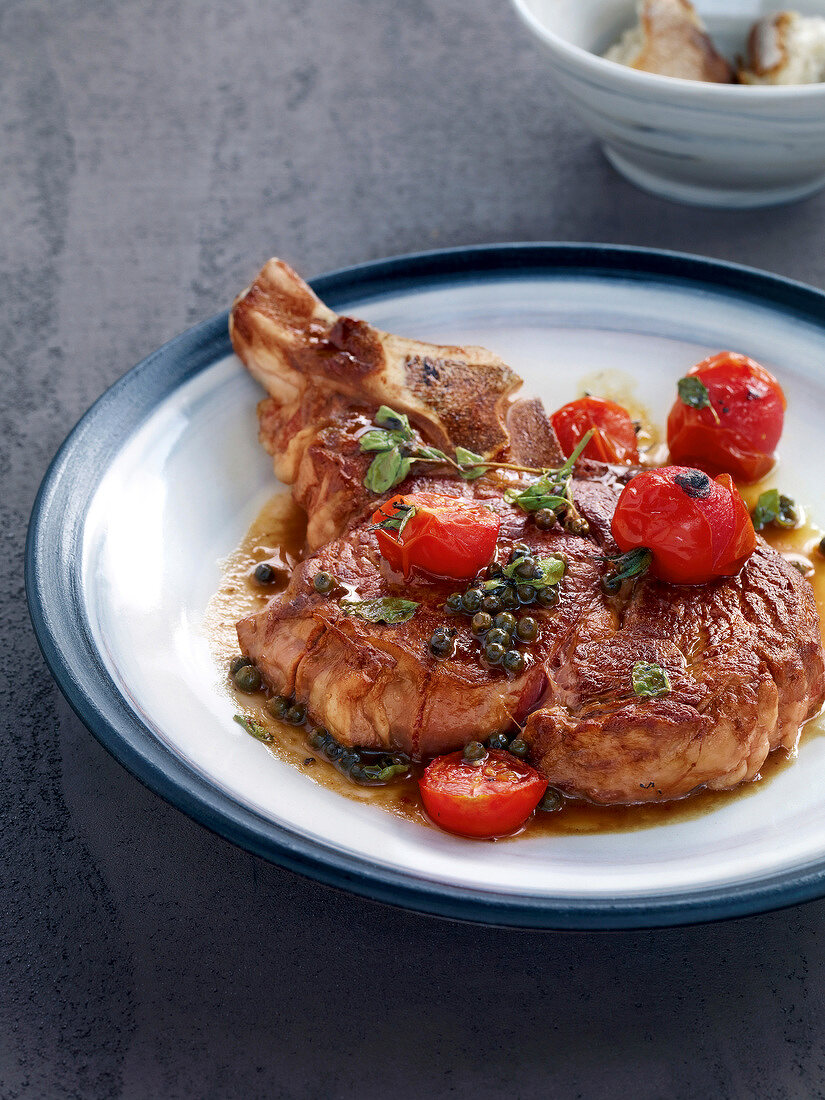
(153, 155)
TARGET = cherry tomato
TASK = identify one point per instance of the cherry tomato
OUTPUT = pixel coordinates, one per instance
(489, 799)
(750, 407)
(445, 536)
(614, 437)
(697, 529)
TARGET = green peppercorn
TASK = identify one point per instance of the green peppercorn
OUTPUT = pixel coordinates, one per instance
(525, 568)
(474, 752)
(551, 801)
(491, 603)
(441, 644)
(518, 747)
(356, 773)
(520, 550)
(494, 570)
(509, 600)
(323, 583)
(248, 679)
(348, 759)
(497, 636)
(494, 653)
(471, 600)
(545, 519)
(548, 596)
(278, 706)
(513, 661)
(264, 573)
(333, 750)
(454, 603)
(506, 621)
(317, 739)
(482, 621)
(237, 664)
(527, 629)
(498, 741)
(296, 715)
(526, 594)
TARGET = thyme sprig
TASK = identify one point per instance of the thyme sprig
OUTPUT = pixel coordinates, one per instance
(552, 490)
(396, 523)
(396, 450)
(629, 566)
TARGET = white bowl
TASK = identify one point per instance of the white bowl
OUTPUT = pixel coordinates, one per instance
(711, 144)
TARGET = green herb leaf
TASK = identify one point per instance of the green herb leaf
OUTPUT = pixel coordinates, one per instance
(387, 469)
(430, 452)
(774, 507)
(551, 570)
(694, 393)
(552, 489)
(386, 609)
(397, 522)
(543, 493)
(650, 680)
(398, 422)
(253, 728)
(469, 472)
(633, 564)
(391, 772)
(378, 440)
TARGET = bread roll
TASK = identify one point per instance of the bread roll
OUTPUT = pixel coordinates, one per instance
(671, 39)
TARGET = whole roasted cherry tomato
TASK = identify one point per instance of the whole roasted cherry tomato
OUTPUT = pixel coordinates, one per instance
(490, 798)
(728, 417)
(445, 536)
(696, 529)
(614, 436)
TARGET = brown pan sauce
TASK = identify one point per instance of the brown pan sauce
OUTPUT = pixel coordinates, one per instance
(277, 536)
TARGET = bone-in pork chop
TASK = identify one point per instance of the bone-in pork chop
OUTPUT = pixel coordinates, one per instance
(743, 655)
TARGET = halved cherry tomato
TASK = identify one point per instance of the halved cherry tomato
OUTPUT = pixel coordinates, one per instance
(750, 407)
(445, 536)
(614, 436)
(697, 529)
(492, 798)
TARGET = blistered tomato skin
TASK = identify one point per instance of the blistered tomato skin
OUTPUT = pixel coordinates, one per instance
(445, 536)
(696, 528)
(490, 798)
(750, 407)
(614, 434)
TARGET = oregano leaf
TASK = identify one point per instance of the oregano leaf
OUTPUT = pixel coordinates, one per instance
(386, 609)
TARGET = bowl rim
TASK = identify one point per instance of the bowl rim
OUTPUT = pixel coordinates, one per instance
(698, 91)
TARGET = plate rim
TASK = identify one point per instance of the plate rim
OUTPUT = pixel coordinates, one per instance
(54, 595)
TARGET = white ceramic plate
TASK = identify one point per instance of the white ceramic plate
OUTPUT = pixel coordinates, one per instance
(162, 477)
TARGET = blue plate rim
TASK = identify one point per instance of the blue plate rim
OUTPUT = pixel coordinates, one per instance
(52, 564)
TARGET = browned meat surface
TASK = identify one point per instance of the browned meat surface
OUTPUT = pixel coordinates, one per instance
(375, 685)
(322, 370)
(743, 655)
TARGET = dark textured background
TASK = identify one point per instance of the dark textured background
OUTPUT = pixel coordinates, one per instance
(153, 155)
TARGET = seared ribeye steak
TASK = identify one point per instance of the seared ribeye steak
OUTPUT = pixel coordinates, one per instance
(743, 655)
